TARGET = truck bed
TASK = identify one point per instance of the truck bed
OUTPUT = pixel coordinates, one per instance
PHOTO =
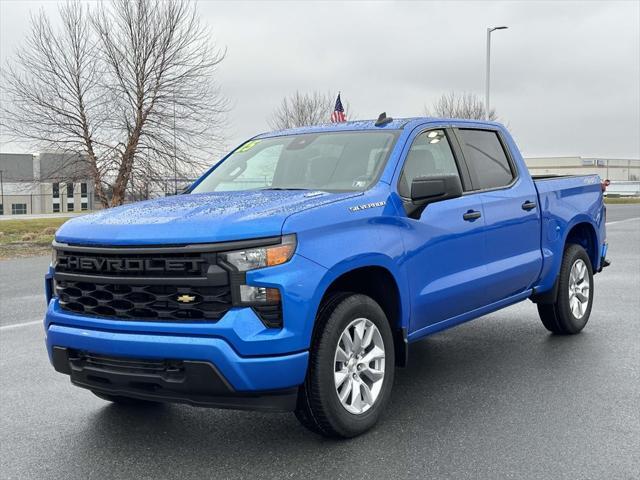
(579, 193)
(564, 202)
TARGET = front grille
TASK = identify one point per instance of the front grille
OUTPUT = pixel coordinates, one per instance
(145, 284)
(166, 283)
(144, 302)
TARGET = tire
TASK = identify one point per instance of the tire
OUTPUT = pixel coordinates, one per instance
(124, 400)
(332, 361)
(572, 308)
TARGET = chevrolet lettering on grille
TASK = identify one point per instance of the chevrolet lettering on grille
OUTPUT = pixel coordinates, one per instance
(111, 265)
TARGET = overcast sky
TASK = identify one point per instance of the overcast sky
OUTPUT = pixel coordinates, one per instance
(565, 75)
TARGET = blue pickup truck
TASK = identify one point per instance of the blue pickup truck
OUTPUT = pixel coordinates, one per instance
(295, 274)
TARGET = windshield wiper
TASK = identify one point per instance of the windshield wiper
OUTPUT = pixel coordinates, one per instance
(283, 188)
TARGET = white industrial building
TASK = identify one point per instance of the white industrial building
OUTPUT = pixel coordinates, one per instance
(44, 183)
(623, 173)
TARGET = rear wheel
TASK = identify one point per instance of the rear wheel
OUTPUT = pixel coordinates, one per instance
(351, 369)
(572, 308)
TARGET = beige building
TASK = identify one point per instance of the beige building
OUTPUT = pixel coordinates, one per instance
(614, 169)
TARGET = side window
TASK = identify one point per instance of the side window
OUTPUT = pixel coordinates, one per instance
(430, 154)
(486, 157)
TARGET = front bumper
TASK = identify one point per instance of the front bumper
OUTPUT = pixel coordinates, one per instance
(192, 382)
(245, 378)
(253, 360)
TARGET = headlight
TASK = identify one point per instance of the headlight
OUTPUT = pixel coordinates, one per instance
(252, 258)
(54, 256)
(265, 301)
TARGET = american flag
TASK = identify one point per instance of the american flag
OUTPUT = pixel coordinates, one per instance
(338, 112)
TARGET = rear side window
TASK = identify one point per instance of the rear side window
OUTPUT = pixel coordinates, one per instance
(486, 158)
(429, 155)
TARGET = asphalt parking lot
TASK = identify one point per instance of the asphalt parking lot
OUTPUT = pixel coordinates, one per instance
(495, 398)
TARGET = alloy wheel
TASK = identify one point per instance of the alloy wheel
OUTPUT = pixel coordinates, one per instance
(579, 288)
(359, 366)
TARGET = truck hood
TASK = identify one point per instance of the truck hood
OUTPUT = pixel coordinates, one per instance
(198, 218)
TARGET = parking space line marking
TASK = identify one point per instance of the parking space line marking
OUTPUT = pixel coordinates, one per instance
(18, 325)
(623, 221)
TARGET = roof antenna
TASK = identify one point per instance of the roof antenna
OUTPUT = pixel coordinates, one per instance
(383, 120)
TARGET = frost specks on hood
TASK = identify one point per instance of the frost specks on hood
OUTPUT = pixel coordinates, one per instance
(249, 204)
(203, 217)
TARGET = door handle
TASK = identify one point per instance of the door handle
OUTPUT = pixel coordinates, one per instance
(528, 205)
(471, 215)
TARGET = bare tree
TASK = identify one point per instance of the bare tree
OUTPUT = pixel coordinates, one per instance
(301, 109)
(129, 84)
(459, 105)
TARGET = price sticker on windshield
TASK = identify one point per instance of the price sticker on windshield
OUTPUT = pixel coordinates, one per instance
(248, 146)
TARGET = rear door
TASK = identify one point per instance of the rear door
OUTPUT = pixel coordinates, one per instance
(444, 247)
(511, 213)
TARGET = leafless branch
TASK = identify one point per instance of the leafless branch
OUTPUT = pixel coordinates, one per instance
(129, 84)
(301, 109)
(459, 105)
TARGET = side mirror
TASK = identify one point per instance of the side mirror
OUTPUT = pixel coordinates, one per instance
(426, 190)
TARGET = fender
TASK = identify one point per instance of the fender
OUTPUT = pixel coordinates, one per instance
(400, 330)
(546, 289)
(368, 260)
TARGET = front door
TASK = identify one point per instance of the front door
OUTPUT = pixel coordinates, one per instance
(445, 261)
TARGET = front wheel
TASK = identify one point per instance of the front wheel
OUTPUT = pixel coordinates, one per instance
(572, 308)
(351, 368)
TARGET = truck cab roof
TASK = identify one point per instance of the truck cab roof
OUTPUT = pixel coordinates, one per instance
(395, 124)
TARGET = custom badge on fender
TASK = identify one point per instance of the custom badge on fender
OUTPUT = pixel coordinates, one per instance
(357, 208)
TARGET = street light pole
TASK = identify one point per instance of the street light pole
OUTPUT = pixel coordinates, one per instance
(2, 191)
(175, 152)
(488, 78)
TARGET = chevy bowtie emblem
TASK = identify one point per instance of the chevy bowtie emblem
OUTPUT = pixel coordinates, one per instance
(185, 298)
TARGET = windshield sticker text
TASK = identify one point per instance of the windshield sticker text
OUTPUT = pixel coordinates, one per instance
(248, 146)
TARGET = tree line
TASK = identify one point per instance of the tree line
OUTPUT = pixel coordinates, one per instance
(131, 85)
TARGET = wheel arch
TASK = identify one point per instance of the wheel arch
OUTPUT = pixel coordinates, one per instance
(583, 233)
(378, 282)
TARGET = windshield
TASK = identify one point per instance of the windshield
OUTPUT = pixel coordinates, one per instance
(335, 161)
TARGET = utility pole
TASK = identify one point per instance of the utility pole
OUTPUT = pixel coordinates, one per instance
(488, 78)
(175, 153)
(2, 191)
